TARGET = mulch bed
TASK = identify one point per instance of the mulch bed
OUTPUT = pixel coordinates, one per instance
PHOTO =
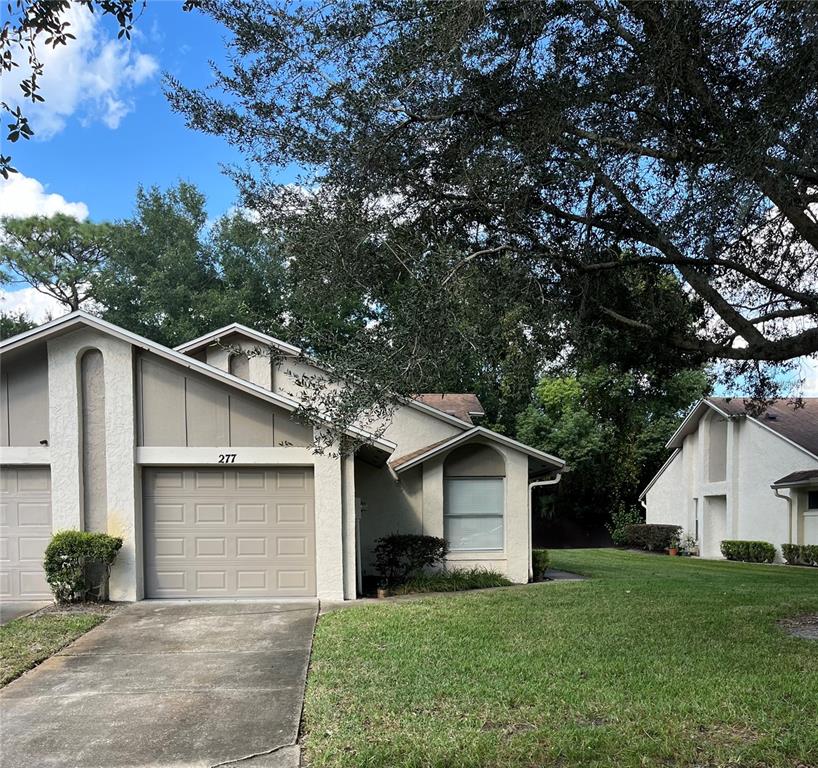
(69, 609)
(802, 626)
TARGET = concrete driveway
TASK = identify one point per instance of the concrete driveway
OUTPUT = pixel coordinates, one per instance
(175, 684)
(14, 609)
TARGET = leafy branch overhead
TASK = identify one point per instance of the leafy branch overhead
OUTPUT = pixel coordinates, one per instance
(648, 170)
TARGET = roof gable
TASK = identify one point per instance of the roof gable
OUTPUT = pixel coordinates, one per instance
(402, 463)
(78, 319)
(798, 425)
(459, 416)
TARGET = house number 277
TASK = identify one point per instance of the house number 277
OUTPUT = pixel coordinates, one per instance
(227, 458)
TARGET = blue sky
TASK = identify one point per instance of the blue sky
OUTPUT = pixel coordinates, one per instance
(116, 130)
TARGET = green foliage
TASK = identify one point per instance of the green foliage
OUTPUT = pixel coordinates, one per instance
(748, 551)
(621, 518)
(540, 560)
(607, 159)
(611, 427)
(12, 323)
(800, 554)
(652, 537)
(69, 558)
(57, 255)
(454, 580)
(401, 555)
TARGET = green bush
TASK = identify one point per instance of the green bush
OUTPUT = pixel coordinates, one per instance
(621, 518)
(540, 560)
(800, 554)
(652, 536)
(401, 555)
(748, 551)
(455, 580)
(71, 558)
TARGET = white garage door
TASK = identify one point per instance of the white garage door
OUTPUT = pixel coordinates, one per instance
(25, 530)
(229, 532)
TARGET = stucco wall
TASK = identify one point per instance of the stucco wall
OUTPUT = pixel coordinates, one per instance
(122, 491)
(665, 504)
(329, 527)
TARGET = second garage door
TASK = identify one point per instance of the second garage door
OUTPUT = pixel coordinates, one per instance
(229, 532)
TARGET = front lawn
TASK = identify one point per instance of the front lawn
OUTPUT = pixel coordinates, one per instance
(653, 661)
(27, 641)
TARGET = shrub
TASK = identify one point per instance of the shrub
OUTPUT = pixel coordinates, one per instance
(621, 518)
(748, 551)
(71, 558)
(401, 555)
(454, 580)
(800, 554)
(651, 536)
(540, 560)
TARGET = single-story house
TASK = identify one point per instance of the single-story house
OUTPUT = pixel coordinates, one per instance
(732, 475)
(197, 458)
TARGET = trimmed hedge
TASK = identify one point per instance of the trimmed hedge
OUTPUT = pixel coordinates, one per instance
(652, 536)
(74, 558)
(540, 560)
(800, 554)
(748, 551)
(401, 555)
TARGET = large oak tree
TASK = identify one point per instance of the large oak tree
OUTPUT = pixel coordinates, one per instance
(644, 174)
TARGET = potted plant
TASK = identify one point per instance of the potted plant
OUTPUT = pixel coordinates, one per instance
(688, 545)
(673, 545)
(383, 589)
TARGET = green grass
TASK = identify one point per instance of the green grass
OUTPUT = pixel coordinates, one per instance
(654, 661)
(454, 580)
(25, 642)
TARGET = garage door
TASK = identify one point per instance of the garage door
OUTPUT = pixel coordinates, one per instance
(229, 532)
(25, 530)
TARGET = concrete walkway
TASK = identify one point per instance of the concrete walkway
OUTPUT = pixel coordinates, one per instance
(167, 684)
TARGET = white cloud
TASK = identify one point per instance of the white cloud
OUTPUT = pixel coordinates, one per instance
(37, 306)
(23, 196)
(92, 76)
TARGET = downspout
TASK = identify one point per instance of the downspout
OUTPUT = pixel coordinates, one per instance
(789, 500)
(531, 487)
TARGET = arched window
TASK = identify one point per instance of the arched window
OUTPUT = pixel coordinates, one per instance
(474, 498)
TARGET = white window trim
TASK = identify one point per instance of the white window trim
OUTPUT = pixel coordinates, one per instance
(457, 550)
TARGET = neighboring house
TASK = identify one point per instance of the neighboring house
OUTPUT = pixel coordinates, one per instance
(736, 476)
(195, 458)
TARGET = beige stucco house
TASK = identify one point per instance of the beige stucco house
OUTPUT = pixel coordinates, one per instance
(195, 457)
(735, 476)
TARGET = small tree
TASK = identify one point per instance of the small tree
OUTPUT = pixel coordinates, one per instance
(57, 255)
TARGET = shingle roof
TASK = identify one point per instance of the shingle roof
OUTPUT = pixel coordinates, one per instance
(797, 478)
(459, 404)
(799, 424)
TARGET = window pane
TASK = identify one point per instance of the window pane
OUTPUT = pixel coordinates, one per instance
(812, 499)
(474, 532)
(474, 496)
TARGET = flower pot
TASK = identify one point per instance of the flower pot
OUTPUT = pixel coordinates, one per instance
(382, 593)
(673, 551)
